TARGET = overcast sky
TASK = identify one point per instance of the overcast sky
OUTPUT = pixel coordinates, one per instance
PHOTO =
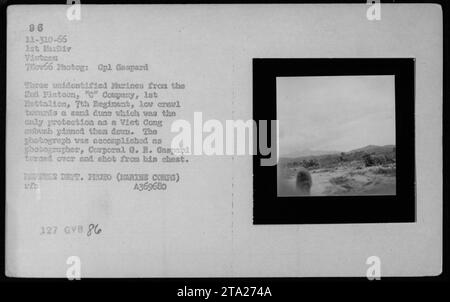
(335, 113)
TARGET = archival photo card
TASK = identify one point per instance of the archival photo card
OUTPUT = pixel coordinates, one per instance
(336, 135)
(98, 185)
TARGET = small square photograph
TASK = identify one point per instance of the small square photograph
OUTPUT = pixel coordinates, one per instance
(336, 135)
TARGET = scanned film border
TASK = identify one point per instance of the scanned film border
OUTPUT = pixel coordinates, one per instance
(370, 183)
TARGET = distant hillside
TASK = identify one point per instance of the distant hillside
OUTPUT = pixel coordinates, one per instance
(329, 160)
(374, 149)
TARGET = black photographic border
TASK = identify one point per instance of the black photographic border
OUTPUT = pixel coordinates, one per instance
(268, 208)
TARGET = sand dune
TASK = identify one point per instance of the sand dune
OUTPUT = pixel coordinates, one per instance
(345, 180)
